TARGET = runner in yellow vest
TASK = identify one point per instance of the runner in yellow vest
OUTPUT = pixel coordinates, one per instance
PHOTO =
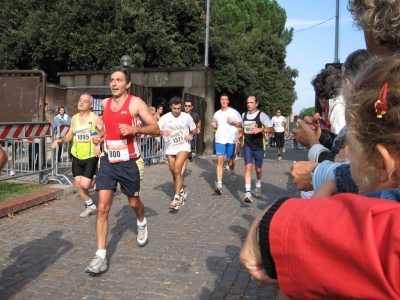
(84, 125)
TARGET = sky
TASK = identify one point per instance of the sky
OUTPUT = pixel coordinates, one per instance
(312, 48)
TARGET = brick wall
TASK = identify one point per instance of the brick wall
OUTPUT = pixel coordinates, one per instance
(57, 95)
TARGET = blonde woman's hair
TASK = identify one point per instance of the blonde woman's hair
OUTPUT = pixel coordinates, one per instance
(381, 18)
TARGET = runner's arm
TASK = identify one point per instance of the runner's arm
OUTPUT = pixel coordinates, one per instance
(98, 138)
(139, 107)
(236, 121)
(268, 125)
(198, 125)
(98, 123)
(192, 129)
(239, 135)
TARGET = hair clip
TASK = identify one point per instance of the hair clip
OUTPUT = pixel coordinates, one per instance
(381, 106)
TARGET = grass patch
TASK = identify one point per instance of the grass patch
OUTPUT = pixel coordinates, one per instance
(9, 190)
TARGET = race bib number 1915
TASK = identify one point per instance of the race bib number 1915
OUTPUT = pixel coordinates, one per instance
(248, 126)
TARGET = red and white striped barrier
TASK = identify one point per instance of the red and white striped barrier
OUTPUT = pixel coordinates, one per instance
(25, 160)
(63, 130)
(24, 130)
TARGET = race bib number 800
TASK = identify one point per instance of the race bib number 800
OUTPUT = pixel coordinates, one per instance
(117, 151)
(114, 154)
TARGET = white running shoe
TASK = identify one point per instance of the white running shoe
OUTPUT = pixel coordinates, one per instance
(90, 210)
(182, 198)
(247, 198)
(279, 158)
(142, 235)
(258, 191)
(218, 190)
(97, 265)
(283, 150)
(174, 204)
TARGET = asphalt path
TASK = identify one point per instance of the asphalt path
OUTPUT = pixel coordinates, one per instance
(192, 253)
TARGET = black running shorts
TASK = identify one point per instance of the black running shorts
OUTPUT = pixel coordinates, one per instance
(128, 174)
(280, 139)
(84, 167)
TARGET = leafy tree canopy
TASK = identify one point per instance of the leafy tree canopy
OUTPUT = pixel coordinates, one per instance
(248, 41)
(307, 112)
(69, 35)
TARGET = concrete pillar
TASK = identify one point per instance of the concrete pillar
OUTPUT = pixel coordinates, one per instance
(210, 100)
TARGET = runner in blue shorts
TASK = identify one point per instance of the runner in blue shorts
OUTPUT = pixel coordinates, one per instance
(122, 161)
(226, 121)
(255, 124)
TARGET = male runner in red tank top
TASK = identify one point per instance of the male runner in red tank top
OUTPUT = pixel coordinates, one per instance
(122, 162)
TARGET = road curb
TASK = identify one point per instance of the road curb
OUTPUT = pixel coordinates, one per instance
(53, 192)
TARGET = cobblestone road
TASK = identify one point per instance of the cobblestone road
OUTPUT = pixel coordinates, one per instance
(192, 253)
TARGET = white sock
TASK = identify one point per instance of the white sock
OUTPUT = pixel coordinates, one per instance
(258, 183)
(140, 224)
(219, 184)
(182, 191)
(101, 253)
(248, 187)
(176, 197)
(89, 202)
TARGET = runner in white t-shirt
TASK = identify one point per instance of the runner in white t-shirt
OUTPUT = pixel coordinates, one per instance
(227, 121)
(177, 129)
(280, 127)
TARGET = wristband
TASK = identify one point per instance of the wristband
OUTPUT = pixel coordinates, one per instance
(315, 151)
(311, 174)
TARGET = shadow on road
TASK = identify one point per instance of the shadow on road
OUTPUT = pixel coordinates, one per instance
(30, 260)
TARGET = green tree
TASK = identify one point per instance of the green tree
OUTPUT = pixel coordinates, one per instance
(248, 41)
(307, 112)
(68, 35)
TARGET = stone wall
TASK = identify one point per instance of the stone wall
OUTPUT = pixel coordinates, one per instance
(198, 81)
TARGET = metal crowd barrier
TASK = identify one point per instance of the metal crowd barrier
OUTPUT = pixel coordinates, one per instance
(290, 143)
(153, 150)
(28, 146)
(62, 155)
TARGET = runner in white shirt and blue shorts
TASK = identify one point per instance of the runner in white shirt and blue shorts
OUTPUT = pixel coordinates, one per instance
(226, 121)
